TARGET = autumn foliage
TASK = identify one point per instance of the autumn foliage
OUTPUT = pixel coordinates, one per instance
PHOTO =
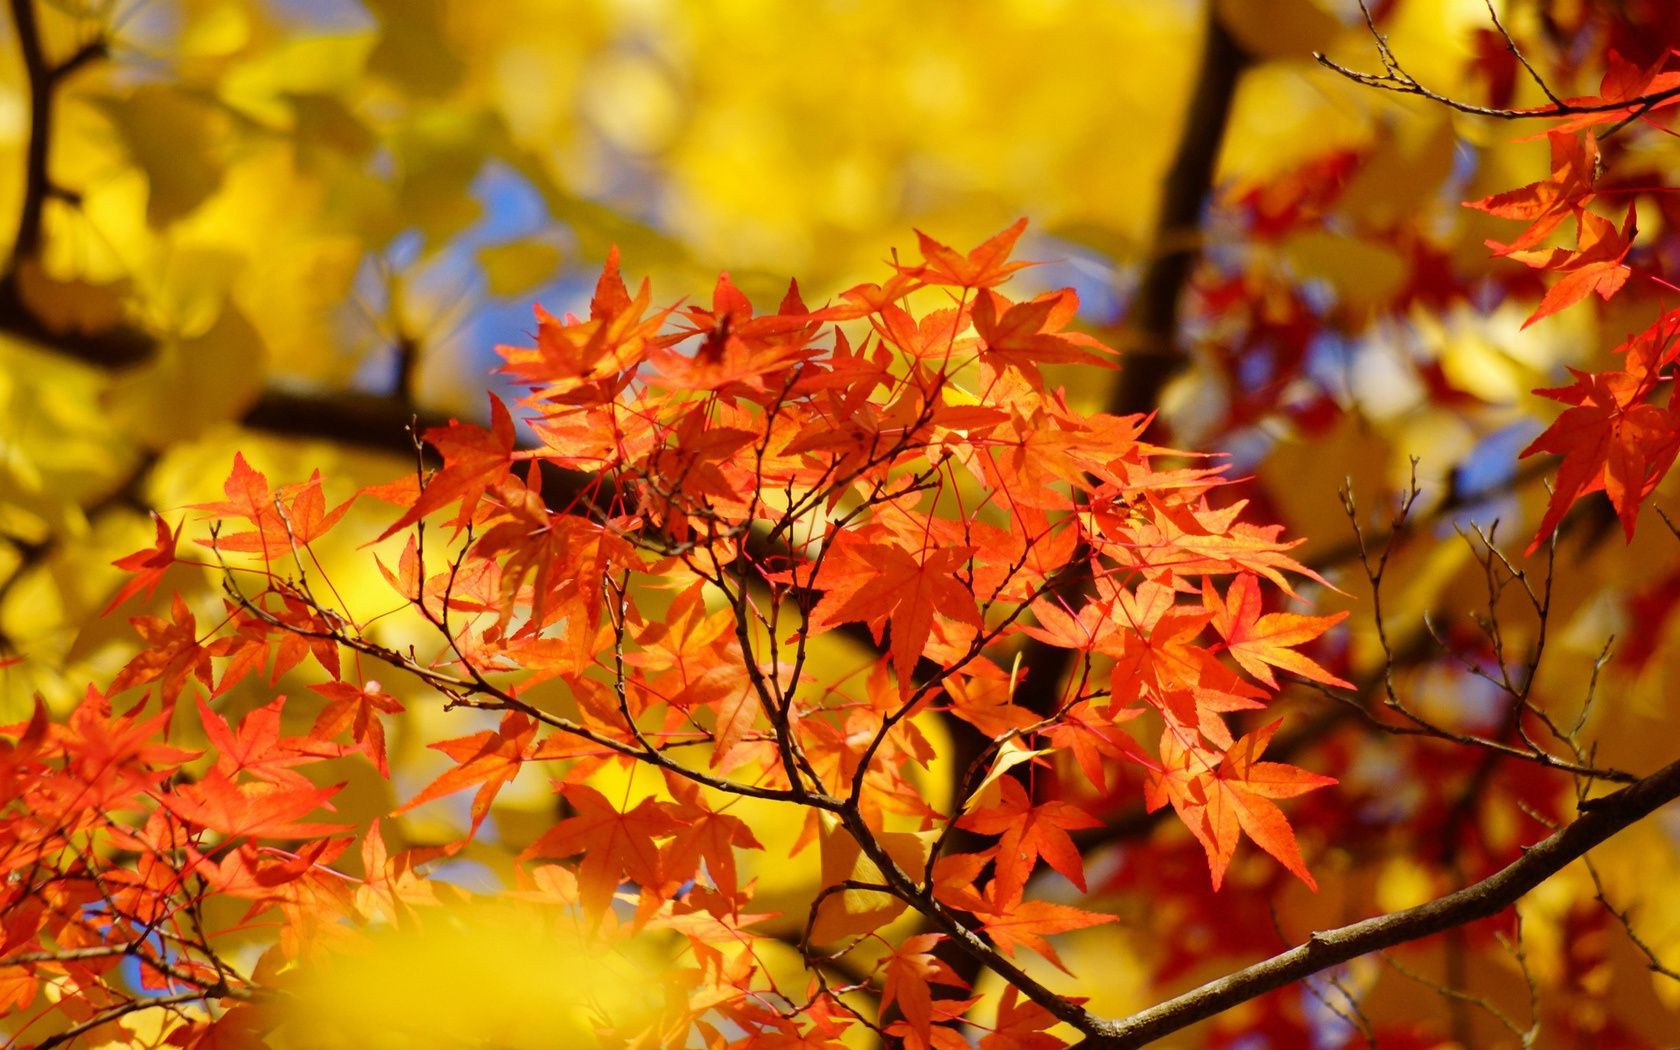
(645, 585)
(754, 483)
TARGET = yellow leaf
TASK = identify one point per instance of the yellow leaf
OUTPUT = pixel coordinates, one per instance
(194, 382)
(516, 267)
(1283, 29)
(483, 974)
(853, 913)
(174, 138)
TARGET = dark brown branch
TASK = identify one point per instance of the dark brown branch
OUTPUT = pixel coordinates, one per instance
(44, 78)
(27, 241)
(1154, 316)
(1600, 819)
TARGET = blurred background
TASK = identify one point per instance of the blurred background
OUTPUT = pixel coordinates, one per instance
(290, 226)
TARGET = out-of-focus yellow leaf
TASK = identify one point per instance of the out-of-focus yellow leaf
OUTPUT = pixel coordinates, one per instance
(414, 50)
(1405, 174)
(174, 138)
(1364, 274)
(632, 101)
(1403, 883)
(195, 382)
(483, 974)
(213, 28)
(1286, 114)
(1286, 29)
(515, 267)
(322, 120)
(1476, 366)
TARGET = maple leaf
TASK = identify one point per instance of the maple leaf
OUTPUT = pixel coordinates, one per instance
(585, 362)
(1610, 440)
(1624, 82)
(1009, 922)
(1021, 1025)
(474, 459)
(1256, 640)
(983, 267)
(489, 759)
(981, 697)
(1027, 923)
(171, 655)
(879, 583)
(615, 846)
(256, 810)
(1093, 739)
(257, 747)
(1595, 266)
(286, 519)
(911, 969)
(1546, 203)
(1219, 795)
(1028, 831)
(148, 564)
(703, 835)
(357, 709)
(1024, 335)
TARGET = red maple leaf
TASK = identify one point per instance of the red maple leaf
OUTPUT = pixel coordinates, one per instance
(983, 267)
(1594, 266)
(357, 709)
(489, 759)
(473, 460)
(703, 835)
(879, 583)
(1021, 1025)
(1547, 203)
(1027, 832)
(255, 809)
(1610, 440)
(148, 564)
(615, 846)
(911, 969)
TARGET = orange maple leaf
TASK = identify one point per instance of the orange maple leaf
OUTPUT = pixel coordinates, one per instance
(983, 267)
(473, 460)
(1595, 266)
(1255, 640)
(489, 759)
(879, 583)
(1547, 203)
(911, 971)
(1610, 440)
(1217, 796)
(1028, 831)
(615, 846)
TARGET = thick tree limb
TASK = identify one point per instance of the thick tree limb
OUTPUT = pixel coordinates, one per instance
(1600, 819)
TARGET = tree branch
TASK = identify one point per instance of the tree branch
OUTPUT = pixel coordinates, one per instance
(1395, 78)
(1600, 819)
(44, 78)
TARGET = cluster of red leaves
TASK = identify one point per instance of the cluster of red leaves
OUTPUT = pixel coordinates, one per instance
(893, 466)
(1615, 438)
(112, 839)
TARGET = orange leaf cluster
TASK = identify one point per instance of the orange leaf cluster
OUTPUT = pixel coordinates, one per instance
(893, 466)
